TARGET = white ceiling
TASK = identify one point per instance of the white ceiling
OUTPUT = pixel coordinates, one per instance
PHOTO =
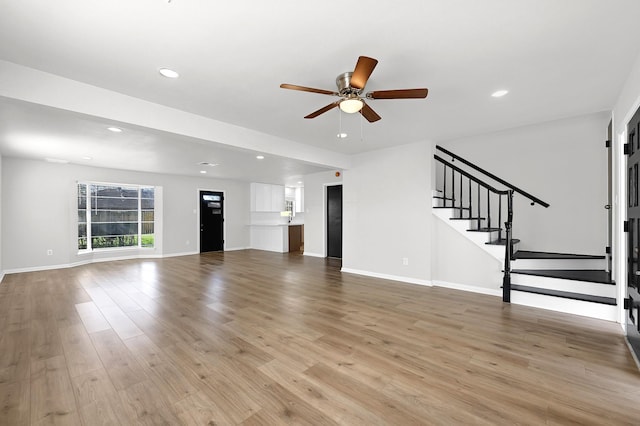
(557, 58)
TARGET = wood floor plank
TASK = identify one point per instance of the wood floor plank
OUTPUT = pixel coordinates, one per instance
(91, 317)
(251, 337)
(120, 364)
(80, 355)
(14, 403)
(52, 398)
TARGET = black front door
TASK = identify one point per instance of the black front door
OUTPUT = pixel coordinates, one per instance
(211, 221)
(334, 221)
(633, 235)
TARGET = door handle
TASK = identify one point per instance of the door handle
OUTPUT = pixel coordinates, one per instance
(607, 206)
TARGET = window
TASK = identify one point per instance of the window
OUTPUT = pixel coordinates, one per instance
(115, 216)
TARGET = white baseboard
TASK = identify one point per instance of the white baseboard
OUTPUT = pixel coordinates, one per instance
(235, 248)
(408, 280)
(469, 288)
(184, 253)
(306, 253)
(94, 260)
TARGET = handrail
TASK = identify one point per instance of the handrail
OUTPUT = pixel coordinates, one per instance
(494, 177)
(470, 176)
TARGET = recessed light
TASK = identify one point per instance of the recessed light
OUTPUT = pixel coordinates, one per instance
(341, 135)
(204, 172)
(114, 129)
(499, 93)
(300, 181)
(260, 157)
(86, 157)
(169, 73)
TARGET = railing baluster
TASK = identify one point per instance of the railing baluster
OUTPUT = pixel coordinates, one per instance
(461, 205)
(500, 216)
(470, 204)
(453, 188)
(488, 209)
(444, 186)
(479, 207)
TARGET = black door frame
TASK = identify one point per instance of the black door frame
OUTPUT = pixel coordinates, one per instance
(198, 221)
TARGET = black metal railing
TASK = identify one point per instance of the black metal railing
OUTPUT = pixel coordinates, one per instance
(465, 192)
(533, 199)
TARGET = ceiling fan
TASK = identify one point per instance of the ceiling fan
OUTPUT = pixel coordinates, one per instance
(351, 87)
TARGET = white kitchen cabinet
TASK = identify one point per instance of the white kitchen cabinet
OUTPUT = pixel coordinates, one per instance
(266, 197)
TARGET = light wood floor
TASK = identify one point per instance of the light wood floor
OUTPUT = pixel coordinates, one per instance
(258, 338)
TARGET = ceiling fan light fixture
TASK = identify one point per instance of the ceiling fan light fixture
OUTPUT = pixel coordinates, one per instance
(351, 105)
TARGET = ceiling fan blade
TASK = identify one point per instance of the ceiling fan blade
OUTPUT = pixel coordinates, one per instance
(398, 94)
(364, 68)
(323, 110)
(308, 89)
(368, 113)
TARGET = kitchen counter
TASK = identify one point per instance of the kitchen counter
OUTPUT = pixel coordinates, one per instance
(274, 236)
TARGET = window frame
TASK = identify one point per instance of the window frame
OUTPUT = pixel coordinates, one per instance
(88, 222)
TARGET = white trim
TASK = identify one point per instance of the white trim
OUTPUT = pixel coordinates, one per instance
(1, 276)
(234, 248)
(469, 288)
(184, 253)
(307, 253)
(90, 261)
(388, 277)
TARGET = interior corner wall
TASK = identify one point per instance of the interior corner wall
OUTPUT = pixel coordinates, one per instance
(39, 213)
(386, 213)
(562, 162)
(314, 211)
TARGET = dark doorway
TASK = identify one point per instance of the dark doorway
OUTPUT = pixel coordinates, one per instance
(633, 235)
(334, 221)
(211, 221)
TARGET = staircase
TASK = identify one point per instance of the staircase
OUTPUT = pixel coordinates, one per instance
(573, 283)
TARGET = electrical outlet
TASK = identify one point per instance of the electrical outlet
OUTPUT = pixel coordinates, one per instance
(405, 261)
(187, 242)
(49, 252)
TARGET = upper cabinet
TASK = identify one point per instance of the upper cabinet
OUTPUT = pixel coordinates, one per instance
(267, 198)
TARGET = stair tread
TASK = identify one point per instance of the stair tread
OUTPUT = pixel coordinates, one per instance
(565, 294)
(502, 242)
(588, 275)
(450, 207)
(486, 229)
(467, 218)
(526, 254)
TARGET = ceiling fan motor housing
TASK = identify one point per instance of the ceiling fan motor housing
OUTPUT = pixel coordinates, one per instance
(343, 81)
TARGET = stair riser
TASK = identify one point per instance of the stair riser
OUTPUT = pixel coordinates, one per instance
(593, 264)
(570, 306)
(572, 286)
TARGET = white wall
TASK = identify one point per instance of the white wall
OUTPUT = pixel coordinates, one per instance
(459, 263)
(315, 211)
(387, 213)
(39, 212)
(562, 162)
